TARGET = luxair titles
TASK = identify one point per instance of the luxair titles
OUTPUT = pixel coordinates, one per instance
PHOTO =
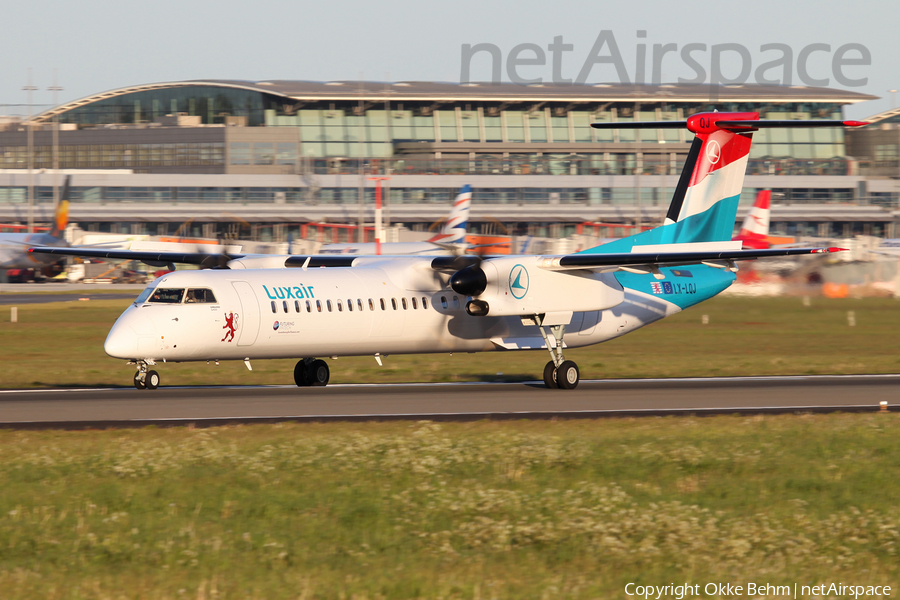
(297, 292)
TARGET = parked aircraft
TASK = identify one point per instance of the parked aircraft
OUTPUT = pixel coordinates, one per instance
(754, 232)
(14, 246)
(258, 307)
(451, 239)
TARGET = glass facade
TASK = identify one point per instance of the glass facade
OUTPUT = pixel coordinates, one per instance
(352, 128)
(211, 103)
(649, 195)
(323, 139)
(117, 156)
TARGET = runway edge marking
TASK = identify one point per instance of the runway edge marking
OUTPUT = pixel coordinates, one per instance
(444, 417)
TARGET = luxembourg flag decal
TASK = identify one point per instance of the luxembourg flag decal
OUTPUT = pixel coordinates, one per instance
(656, 287)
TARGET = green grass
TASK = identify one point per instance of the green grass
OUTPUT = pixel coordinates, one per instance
(479, 510)
(61, 344)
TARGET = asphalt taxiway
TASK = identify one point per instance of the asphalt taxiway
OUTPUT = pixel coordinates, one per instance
(207, 406)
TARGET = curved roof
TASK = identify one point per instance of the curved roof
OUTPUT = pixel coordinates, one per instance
(424, 91)
(884, 116)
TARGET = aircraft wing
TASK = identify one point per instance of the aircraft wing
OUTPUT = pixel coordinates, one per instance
(648, 262)
(156, 259)
(201, 259)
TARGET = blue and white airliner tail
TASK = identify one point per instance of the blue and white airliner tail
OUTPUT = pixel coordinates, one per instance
(450, 241)
(454, 229)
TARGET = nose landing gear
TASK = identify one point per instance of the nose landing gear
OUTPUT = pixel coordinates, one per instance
(145, 379)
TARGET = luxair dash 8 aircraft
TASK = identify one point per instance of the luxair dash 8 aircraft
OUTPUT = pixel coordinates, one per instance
(257, 307)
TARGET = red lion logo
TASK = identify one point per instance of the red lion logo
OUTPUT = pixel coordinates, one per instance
(231, 326)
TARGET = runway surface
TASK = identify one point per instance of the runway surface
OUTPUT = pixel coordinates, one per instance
(18, 294)
(22, 299)
(208, 406)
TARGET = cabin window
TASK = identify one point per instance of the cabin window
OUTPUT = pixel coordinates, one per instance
(444, 302)
(296, 306)
(340, 306)
(382, 304)
(455, 302)
(167, 295)
(359, 304)
(199, 296)
(319, 305)
(415, 305)
(274, 310)
(424, 302)
(371, 304)
(394, 303)
(308, 306)
(284, 305)
(328, 304)
(403, 303)
(349, 304)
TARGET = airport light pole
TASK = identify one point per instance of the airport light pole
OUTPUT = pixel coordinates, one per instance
(55, 89)
(30, 89)
(379, 231)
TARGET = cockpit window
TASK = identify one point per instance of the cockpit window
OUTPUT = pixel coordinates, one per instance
(167, 295)
(145, 294)
(199, 296)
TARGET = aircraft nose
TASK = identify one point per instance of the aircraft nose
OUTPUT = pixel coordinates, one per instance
(121, 342)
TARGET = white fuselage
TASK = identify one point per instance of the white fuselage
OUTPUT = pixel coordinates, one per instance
(384, 306)
(388, 248)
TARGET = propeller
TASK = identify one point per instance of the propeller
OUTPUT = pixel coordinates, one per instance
(469, 281)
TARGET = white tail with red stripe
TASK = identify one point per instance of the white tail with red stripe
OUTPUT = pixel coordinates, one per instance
(454, 229)
(705, 203)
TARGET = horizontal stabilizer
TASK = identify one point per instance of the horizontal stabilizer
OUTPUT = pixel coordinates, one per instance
(631, 259)
(726, 124)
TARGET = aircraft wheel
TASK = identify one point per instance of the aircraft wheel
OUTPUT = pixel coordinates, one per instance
(301, 374)
(550, 375)
(152, 380)
(567, 375)
(320, 374)
(138, 382)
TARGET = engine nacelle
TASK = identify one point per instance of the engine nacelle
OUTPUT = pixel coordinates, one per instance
(518, 286)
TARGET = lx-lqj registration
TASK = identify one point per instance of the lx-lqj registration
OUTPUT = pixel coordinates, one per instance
(257, 307)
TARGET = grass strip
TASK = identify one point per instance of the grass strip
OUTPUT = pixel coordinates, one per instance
(566, 509)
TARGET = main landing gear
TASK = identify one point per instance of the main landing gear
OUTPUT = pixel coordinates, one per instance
(145, 379)
(311, 371)
(559, 373)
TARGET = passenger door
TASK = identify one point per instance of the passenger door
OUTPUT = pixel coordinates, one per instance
(248, 322)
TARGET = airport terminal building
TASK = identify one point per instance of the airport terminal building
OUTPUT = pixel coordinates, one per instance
(274, 155)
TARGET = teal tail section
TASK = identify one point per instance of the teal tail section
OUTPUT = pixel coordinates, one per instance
(716, 224)
(682, 286)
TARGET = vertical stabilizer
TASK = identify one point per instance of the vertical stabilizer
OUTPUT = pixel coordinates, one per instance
(61, 215)
(454, 229)
(705, 203)
(706, 210)
(755, 230)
